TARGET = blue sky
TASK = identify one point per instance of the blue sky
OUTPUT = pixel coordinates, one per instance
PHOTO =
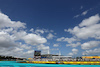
(69, 26)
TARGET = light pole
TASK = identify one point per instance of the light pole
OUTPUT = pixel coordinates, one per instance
(59, 54)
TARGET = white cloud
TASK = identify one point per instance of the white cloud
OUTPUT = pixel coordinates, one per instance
(12, 33)
(81, 7)
(45, 30)
(6, 40)
(19, 34)
(30, 51)
(7, 30)
(24, 46)
(82, 14)
(73, 44)
(76, 16)
(90, 21)
(32, 30)
(65, 30)
(5, 21)
(34, 39)
(96, 51)
(39, 31)
(73, 41)
(9, 47)
(88, 28)
(44, 49)
(60, 39)
(16, 52)
(74, 51)
(69, 40)
(55, 45)
(85, 12)
(70, 54)
(50, 36)
(90, 44)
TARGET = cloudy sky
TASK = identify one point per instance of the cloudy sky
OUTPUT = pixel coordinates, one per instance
(71, 27)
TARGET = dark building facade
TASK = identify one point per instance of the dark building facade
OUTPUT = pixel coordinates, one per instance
(37, 54)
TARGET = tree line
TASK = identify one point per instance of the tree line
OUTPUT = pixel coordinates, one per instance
(8, 58)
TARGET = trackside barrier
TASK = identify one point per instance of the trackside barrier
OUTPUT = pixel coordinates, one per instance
(65, 62)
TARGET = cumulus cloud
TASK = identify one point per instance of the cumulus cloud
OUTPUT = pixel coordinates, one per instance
(90, 21)
(92, 52)
(90, 44)
(82, 14)
(12, 33)
(32, 30)
(73, 41)
(88, 28)
(39, 31)
(69, 40)
(55, 45)
(24, 46)
(7, 30)
(65, 30)
(44, 49)
(50, 36)
(74, 51)
(85, 12)
(76, 16)
(19, 34)
(70, 54)
(73, 44)
(5, 21)
(60, 39)
(34, 39)
(16, 52)
(6, 40)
